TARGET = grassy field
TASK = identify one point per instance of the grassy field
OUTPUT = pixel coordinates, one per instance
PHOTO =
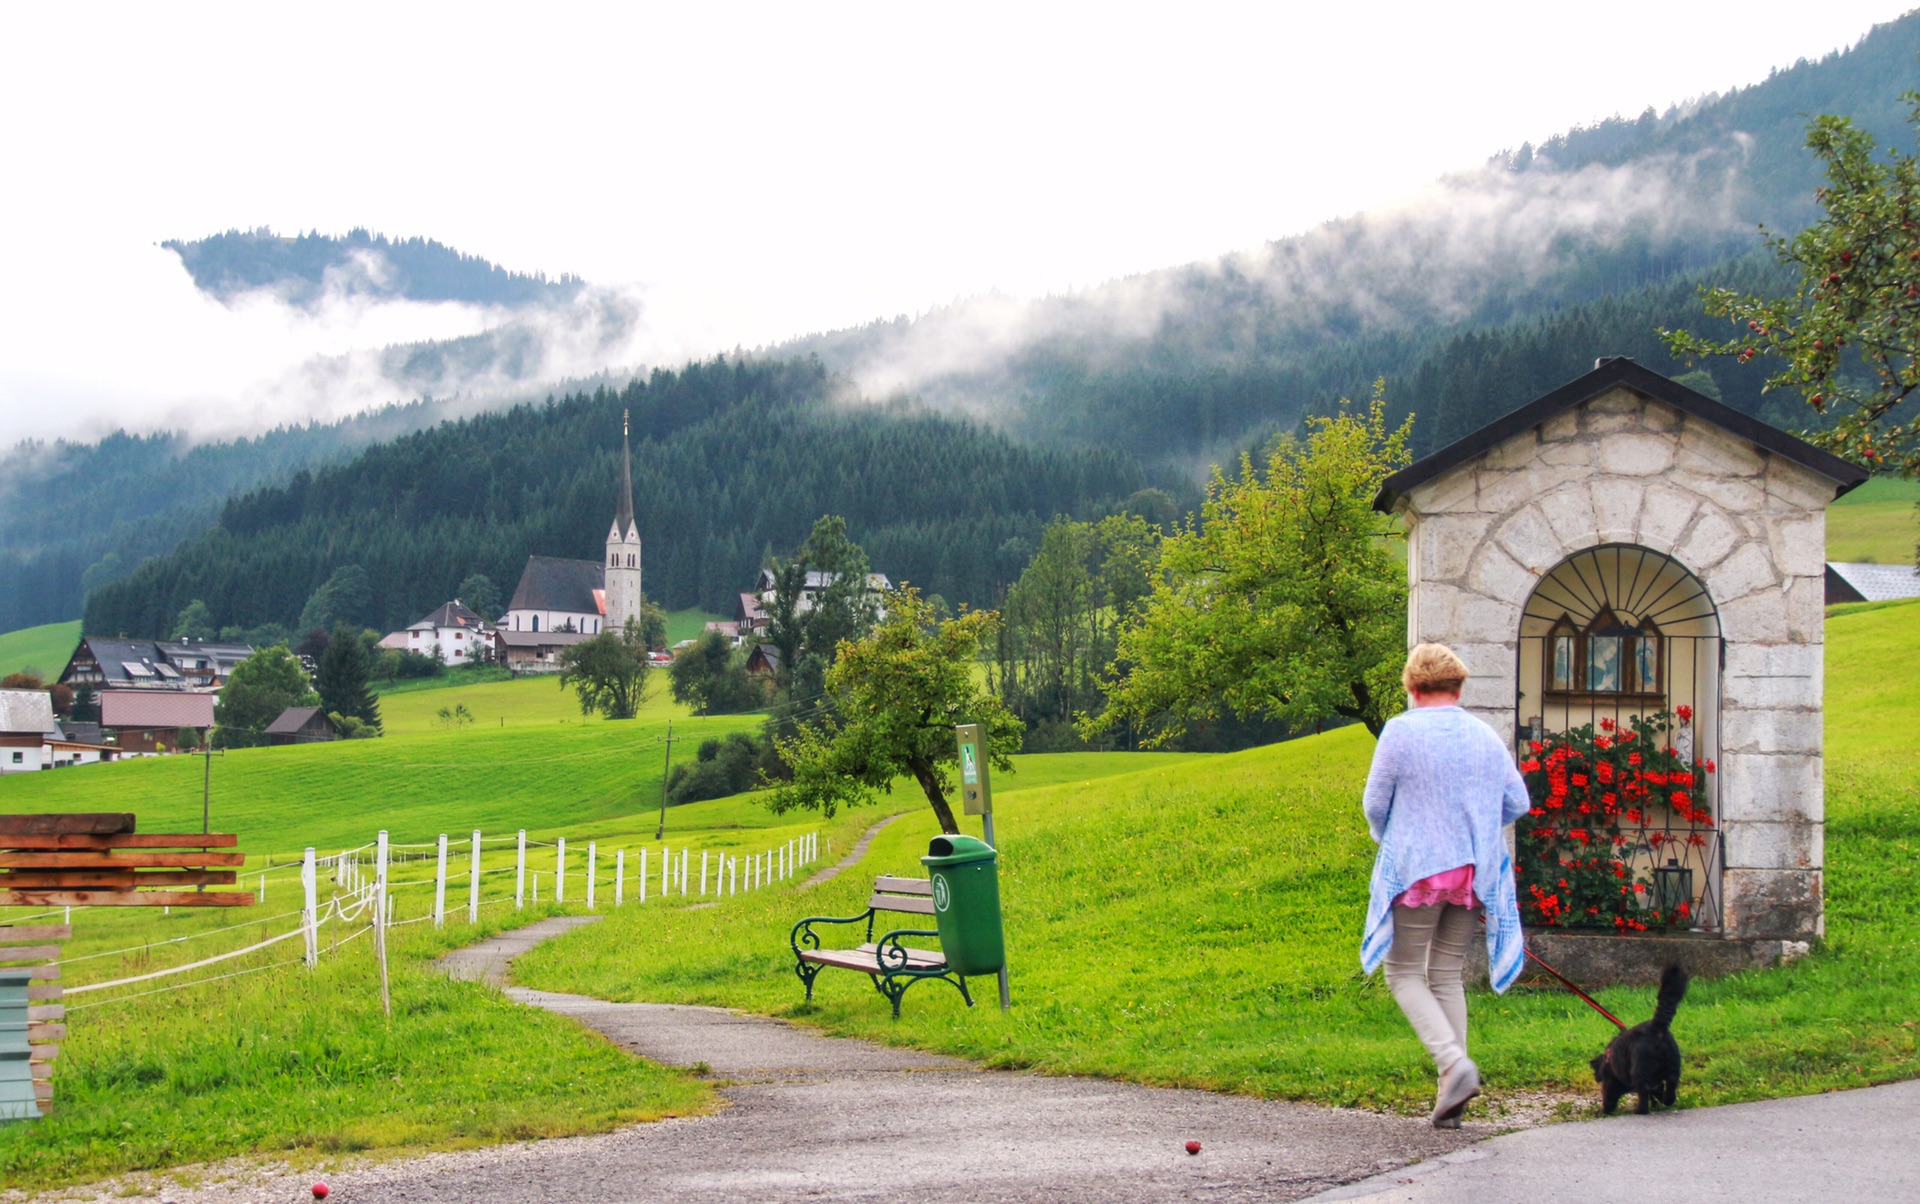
(1196, 924)
(42, 651)
(1875, 523)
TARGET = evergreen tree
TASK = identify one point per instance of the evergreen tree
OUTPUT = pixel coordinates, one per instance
(195, 622)
(480, 595)
(260, 688)
(345, 677)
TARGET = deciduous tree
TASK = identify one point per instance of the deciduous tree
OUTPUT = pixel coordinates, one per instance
(1286, 600)
(1848, 339)
(893, 699)
(259, 689)
(608, 673)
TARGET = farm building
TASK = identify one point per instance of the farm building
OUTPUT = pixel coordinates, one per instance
(155, 721)
(300, 725)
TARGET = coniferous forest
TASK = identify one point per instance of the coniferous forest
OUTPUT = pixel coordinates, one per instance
(733, 458)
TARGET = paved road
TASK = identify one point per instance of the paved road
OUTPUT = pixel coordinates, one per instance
(1850, 1145)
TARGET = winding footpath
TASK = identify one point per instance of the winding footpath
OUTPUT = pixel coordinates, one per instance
(811, 1118)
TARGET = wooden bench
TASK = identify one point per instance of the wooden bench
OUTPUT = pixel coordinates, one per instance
(891, 966)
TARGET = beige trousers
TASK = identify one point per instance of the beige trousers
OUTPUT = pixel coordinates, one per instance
(1426, 971)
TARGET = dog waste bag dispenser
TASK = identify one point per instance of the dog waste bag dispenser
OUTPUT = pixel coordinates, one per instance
(966, 903)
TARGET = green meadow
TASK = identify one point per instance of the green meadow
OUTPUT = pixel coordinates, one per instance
(1196, 924)
(42, 651)
(1875, 523)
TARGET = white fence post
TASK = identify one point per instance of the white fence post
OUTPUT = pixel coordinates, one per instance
(703, 873)
(520, 873)
(310, 919)
(733, 875)
(473, 882)
(593, 851)
(683, 873)
(380, 920)
(560, 871)
(643, 875)
(619, 877)
(440, 886)
(666, 873)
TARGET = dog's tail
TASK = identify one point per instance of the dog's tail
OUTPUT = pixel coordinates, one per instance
(1673, 988)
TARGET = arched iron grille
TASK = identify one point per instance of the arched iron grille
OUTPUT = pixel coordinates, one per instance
(1618, 692)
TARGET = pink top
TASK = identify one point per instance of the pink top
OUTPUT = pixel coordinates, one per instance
(1452, 886)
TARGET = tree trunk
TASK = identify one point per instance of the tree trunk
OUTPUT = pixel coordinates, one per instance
(923, 773)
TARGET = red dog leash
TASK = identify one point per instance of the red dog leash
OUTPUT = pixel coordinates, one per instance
(1568, 984)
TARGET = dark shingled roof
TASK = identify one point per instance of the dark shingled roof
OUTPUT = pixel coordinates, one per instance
(292, 720)
(453, 614)
(1612, 373)
(549, 583)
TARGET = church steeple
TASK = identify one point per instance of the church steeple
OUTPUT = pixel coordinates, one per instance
(622, 575)
(623, 522)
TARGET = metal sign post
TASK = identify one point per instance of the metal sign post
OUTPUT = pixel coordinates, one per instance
(976, 797)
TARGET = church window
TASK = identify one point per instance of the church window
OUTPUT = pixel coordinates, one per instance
(536, 622)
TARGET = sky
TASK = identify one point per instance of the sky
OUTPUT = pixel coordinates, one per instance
(745, 172)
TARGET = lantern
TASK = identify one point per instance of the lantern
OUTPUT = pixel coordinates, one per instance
(1672, 886)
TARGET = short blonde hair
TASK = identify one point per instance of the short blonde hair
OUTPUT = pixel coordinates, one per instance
(1433, 669)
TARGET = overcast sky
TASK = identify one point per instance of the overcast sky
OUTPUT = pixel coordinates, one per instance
(752, 172)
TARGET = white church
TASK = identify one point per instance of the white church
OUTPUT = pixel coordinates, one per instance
(561, 602)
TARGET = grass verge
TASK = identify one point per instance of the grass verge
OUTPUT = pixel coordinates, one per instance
(42, 651)
(1197, 925)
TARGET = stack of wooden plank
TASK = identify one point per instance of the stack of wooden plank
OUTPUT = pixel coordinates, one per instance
(31, 1016)
(100, 861)
(82, 861)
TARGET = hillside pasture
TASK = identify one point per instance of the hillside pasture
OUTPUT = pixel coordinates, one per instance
(1876, 523)
(42, 651)
(1196, 924)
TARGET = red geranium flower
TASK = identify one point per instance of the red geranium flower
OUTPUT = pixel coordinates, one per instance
(1685, 713)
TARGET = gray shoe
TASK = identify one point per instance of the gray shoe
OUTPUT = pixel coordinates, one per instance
(1461, 1084)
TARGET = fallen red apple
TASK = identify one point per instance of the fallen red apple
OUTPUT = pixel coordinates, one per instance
(1193, 1147)
(320, 1191)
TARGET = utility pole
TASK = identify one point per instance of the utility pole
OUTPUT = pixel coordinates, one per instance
(661, 832)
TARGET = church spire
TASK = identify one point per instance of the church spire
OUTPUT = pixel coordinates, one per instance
(623, 521)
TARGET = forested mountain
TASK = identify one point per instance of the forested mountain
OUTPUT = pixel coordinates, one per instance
(731, 458)
(1192, 361)
(303, 268)
(75, 516)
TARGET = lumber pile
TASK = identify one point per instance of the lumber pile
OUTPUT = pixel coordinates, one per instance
(81, 860)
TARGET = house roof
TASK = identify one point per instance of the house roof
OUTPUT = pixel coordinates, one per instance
(27, 711)
(550, 583)
(396, 640)
(222, 657)
(138, 664)
(1611, 373)
(1877, 582)
(452, 614)
(293, 719)
(155, 708)
(749, 609)
(818, 579)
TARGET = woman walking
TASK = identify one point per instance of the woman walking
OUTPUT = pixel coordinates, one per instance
(1441, 789)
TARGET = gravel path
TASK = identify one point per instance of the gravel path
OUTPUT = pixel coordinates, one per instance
(821, 1119)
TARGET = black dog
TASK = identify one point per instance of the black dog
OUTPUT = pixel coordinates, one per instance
(1645, 1058)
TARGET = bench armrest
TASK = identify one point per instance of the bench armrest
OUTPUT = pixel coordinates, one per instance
(803, 933)
(890, 954)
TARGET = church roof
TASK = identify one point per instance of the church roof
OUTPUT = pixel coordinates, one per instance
(623, 518)
(550, 583)
(1607, 374)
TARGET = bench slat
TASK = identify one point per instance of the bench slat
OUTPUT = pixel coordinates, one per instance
(866, 960)
(907, 903)
(903, 886)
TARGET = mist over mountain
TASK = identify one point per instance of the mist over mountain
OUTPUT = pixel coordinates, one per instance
(1480, 291)
(305, 268)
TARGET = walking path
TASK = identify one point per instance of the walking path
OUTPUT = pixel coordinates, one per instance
(817, 1118)
(854, 854)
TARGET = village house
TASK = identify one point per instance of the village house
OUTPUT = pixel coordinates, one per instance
(1853, 582)
(117, 664)
(454, 632)
(31, 739)
(155, 721)
(816, 584)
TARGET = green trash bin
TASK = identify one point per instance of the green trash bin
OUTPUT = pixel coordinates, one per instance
(966, 903)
